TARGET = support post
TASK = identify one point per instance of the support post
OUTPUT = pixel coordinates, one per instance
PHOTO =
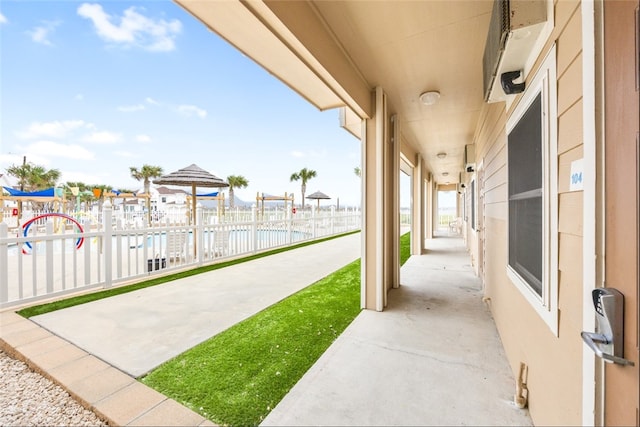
(107, 239)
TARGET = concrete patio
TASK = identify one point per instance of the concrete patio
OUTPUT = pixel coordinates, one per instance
(434, 351)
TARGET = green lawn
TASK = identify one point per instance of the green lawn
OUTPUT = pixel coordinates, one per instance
(237, 377)
(405, 247)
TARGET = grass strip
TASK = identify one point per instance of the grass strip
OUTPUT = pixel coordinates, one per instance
(94, 296)
(237, 377)
(405, 247)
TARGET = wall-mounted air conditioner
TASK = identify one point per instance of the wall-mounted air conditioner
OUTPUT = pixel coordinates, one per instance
(469, 157)
(517, 32)
(462, 179)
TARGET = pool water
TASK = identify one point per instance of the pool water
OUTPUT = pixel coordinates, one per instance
(237, 238)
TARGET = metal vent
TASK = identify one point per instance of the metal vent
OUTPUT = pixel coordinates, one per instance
(496, 40)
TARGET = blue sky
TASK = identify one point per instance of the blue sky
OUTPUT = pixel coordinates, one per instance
(92, 88)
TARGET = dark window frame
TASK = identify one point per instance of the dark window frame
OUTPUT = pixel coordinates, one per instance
(545, 303)
(525, 146)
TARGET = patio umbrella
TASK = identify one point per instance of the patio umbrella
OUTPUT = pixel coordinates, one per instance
(194, 176)
(318, 195)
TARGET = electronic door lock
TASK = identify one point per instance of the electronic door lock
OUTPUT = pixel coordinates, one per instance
(608, 341)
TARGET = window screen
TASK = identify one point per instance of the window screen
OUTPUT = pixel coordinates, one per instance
(473, 204)
(525, 164)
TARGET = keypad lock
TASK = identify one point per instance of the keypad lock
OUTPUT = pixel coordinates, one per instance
(608, 340)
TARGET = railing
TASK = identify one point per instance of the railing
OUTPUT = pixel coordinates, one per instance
(59, 256)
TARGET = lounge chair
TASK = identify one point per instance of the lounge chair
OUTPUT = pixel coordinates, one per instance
(220, 242)
(177, 245)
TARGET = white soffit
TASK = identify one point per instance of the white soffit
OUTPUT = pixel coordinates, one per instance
(351, 122)
(236, 24)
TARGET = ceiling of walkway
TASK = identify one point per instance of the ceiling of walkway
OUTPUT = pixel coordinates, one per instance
(406, 47)
(409, 47)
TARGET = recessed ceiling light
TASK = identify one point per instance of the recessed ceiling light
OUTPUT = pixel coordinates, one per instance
(441, 155)
(430, 97)
(445, 173)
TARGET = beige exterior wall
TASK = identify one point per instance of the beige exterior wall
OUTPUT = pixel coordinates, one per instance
(554, 363)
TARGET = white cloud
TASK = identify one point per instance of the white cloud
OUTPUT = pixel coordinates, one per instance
(43, 149)
(42, 33)
(133, 29)
(131, 108)
(309, 154)
(102, 137)
(74, 176)
(126, 154)
(3, 20)
(152, 101)
(57, 129)
(145, 139)
(190, 110)
(320, 154)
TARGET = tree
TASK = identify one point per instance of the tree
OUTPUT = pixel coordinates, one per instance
(33, 177)
(235, 181)
(77, 192)
(304, 175)
(99, 195)
(357, 171)
(144, 174)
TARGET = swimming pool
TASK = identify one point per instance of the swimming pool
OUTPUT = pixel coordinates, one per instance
(239, 240)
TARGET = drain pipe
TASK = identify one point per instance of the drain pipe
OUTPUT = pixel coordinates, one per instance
(522, 392)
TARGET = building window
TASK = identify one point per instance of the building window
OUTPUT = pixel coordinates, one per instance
(525, 195)
(532, 192)
(473, 204)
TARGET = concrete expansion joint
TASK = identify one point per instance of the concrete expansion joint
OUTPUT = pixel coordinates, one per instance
(424, 354)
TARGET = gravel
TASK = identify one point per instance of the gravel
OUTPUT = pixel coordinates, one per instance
(29, 399)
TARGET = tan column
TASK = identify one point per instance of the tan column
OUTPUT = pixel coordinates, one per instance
(373, 262)
(418, 208)
(392, 205)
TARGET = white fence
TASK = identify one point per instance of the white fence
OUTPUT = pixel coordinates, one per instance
(64, 255)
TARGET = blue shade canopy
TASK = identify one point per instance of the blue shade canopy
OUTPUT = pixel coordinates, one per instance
(49, 192)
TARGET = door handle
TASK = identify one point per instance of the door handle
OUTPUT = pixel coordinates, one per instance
(608, 342)
(592, 340)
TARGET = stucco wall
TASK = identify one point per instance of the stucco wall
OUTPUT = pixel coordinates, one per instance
(554, 362)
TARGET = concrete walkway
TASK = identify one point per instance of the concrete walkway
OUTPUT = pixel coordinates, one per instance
(138, 331)
(432, 358)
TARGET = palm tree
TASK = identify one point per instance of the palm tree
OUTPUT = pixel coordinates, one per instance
(304, 175)
(33, 177)
(100, 195)
(357, 171)
(144, 174)
(76, 192)
(235, 181)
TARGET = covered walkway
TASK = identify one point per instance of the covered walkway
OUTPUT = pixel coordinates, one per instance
(434, 353)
